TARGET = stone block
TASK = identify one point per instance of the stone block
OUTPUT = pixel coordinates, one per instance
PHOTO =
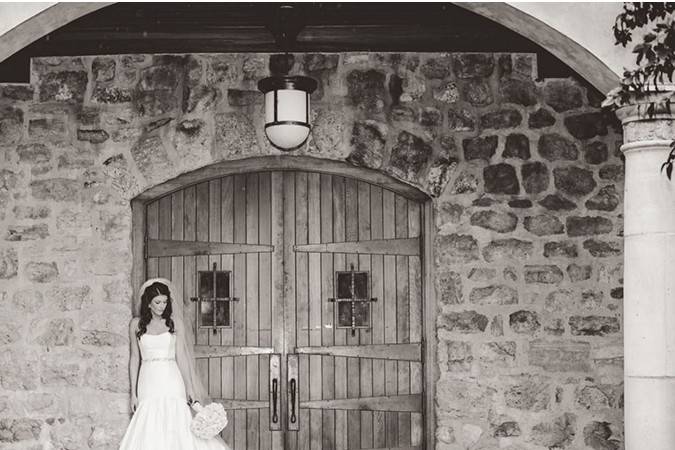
(507, 429)
(436, 68)
(28, 301)
(477, 93)
(598, 397)
(586, 125)
(574, 181)
(554, 147)
(9, 262)
(11, 125)
(64, 86)
(562, 95)
(15, 431)
(103, 69)
(599, 436)
(595, 152)
(409, 156)
(480, 147)
(494, 295)
(463, 399)
(495, 221)
(460, 120)
(497, 355)
(10, 332)
(56, 189)
(467, 322)
(366, 89)
(501, 179)
(479, 274)
(607, 199)
(543, 274)
(319, 61)
(466, 183)
(520, 203)
(524, 322)
(439, 174)
(111, 95)
(431, 117)
(72, 298)
(565, 249)
(105, 372)
(541, 118)
(529, 394)
(26, 232)
(558, 434)
(446, 92)
(41, 272)
(517, 146)
(594, 325)
(47, 129)
(235, 135)
(460, 357)
(543, 225)
(17, 92)
(508, 249)
(612, 172)
(560, 356)
(519, 91)
(53, 332)
(588, 225)
(8, 180)
(449, 288)
(93, 136)
(505, 118)
(555, 202)
(473, 65)
(578, 272)
(456, 249)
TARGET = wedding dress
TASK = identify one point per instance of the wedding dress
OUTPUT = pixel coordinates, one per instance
(162, 419)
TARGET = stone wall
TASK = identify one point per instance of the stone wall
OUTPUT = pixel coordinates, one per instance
(525, 179)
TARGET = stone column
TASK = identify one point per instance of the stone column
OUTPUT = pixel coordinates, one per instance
(649, 281)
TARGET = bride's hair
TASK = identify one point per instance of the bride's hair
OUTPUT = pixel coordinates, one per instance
(151, 292)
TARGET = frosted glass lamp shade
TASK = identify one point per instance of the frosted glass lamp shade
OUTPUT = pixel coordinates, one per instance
(287, 110)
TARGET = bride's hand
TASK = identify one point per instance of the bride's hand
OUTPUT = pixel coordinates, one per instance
(134, 403)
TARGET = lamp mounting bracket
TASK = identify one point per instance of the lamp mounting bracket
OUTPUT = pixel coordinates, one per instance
(285, 23)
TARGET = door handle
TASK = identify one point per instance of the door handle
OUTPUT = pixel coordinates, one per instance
(292, 364)
(275, 376)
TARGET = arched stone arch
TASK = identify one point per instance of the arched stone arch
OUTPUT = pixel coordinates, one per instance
(590, 67)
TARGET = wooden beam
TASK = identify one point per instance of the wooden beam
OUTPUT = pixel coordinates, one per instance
(404, 247)
(220, 351)
(158, 248)
(400, 403)
(242, 404)
(399, 352)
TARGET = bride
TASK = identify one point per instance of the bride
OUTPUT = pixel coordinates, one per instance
(167, 379)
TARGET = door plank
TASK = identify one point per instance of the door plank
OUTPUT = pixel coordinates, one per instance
(241, 404)
(396, 352)
(214, 214)
(158, 248)
(264, 305)
(238, 310)
(339, 336)
(288, 283)
(252, 309)
(410, 402)
(202, 263)
(302, 304)
(327, 338)
(403, 316)
(152, 220)
(399, 246)
(314, 305)
(391, 373)
(227, 263)
(221, 351)
(164, 214)
(416, 332)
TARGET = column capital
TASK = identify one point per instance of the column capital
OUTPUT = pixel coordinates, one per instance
(648, 117)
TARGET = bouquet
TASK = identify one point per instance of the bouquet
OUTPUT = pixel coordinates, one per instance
(209, 421)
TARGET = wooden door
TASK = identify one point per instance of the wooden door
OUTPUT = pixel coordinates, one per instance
(284, 237)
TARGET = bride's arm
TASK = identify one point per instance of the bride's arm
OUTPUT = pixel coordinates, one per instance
(181, 359)
(134, 362)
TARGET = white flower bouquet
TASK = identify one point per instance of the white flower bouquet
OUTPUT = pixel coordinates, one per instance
(209, 421)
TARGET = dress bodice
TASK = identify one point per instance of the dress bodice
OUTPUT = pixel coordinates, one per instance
(158, 346)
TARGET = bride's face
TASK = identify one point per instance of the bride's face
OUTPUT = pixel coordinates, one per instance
(158, 304)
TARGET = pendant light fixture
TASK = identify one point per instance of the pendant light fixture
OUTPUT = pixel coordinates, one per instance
(287, 113)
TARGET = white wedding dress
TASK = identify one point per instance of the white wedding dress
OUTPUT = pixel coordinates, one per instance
(162, 419)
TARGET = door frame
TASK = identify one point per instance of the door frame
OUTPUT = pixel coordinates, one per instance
(309, 164)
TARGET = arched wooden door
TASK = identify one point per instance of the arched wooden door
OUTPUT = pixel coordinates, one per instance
(315, 341)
